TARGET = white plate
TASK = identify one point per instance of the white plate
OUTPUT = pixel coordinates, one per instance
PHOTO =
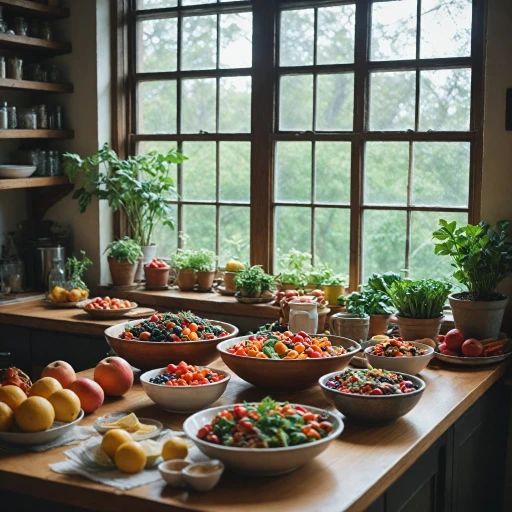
(55, 431)
(111, 418)
(471, 361)
(16, 171)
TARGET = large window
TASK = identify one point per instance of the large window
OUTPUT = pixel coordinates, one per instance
(343, 128)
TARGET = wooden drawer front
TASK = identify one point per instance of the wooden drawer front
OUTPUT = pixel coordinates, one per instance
(15, 347)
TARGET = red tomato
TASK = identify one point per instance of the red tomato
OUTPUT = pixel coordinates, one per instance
(454, 339)
(314, 354)
(298, 339)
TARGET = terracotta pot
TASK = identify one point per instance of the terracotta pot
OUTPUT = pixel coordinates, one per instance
(186, 279)
(122, 272)
(349, 326)
(478, 319)
(332, 293)
(378, 325)
(205, 279)
(156, 277)
(418, 328)
(229, 281)
(139, 269)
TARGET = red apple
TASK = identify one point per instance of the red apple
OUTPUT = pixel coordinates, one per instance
(89, 392)
(114, 375)
(442, 347)
(61, 371)
(454, 339)
(472, 348)
(448, 352)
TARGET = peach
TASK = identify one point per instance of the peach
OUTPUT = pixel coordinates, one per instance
(61, 371)
(90, 394)
(114, 375)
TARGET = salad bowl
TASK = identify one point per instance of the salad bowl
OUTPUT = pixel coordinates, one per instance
(408, 364)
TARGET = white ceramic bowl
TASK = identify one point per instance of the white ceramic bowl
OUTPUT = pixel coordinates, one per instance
(172, 471)
(411, 365)
(261, 461)
(203, 482)
(29, 438)
(16, 171)
(184, 398)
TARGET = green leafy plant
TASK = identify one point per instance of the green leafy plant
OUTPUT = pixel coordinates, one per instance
(181, 259)
(368, 302)
(382, 282)
(420, 299)
(125, 249)
(76, 268)
(296, 268)
(480, 254)
(141, 186)
(253, 281)
(203, 260)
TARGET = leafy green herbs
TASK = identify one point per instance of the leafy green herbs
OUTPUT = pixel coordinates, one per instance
(481, 256)
(296, 267)
(76, 269)
(125, 249)
(382, 283)
(181, 259)
(203, 260)
(367, 303)
(253, 281)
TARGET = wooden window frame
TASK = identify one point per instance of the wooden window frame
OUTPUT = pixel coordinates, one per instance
(264, 112)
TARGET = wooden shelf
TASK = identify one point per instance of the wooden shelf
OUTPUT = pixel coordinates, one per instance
(37, 134)
(27, 85)
(33, 45)
(29, 8)
(36, 182)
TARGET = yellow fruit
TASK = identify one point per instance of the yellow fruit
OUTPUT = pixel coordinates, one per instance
(234, 265)
(152, 449)
(13, 396)
(66, 405)
(130, 458)
(59, 294)
(175, 448)
(74, 295)
(45, 387)
(6, 417)
(84, 293)
(35, 414)
(113, 439)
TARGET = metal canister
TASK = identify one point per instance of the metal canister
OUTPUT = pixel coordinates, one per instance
(44, 261)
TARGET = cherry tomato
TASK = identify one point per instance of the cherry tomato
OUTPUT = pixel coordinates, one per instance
(376, 391)
(240, 411)
(144, 336)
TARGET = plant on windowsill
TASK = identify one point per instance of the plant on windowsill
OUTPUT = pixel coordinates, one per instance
(254, 282)
(233, 265)
(181, 262)
(123, 258)
(482, 258)
(296, 269)
(204, 262)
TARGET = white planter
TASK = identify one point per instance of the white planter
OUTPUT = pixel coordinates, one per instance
(148, 253)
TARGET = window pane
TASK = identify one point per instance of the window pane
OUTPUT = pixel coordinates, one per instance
(445, 99)
(296, 103)
(332, 237)
(235, 104)
(292, 231)
(445, 28)
(333, 172)
(423, 262)
(199, 225)
(441, 173)
(161, 147)
(386, 173)
(297, 38)
(235, 171)
(199, 49)
(198, 105)
(336, 34)
(166, 238)
(197, 2)
(293, 172)
(236, 40)
(383, 241)
(158, 51)
(199, 181)
(156, 4)
(234, 231)
(157, 107)
(392, 100)
(335, 102)
(393, 30)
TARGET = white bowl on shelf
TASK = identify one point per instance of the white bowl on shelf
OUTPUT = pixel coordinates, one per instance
(16, 171)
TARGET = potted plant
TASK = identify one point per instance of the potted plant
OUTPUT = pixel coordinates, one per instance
(420, 306)
(181, 261)
(333, 285)
(355, 322)
(140, 186)
(254, 282)
(156, 273)
(75, 268)
(296, 268)
(233, 264)
(203, 262)
(482, 258)
(122, 260)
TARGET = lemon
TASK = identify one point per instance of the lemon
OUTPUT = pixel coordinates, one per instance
(13, 396)
(175, 448)
(234, 265)
(130, 458)
(6, 417)
(35, 414)
(113, 439)
(45, 387)
(152, 449)
(65, 404)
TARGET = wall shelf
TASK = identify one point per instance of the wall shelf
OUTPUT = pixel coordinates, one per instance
(30, 8)
(36, 134)
(33, 45)
(36, 182)
(28, 85)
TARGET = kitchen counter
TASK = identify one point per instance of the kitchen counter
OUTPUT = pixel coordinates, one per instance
(354, 472)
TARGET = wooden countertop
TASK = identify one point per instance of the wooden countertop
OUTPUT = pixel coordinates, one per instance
(349, 476)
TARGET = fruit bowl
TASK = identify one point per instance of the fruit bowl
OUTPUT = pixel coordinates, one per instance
(57, 430)
(260, 461)
(105, 314)
(411, 365)
(286, 374)
(184, 399)
(147, 355)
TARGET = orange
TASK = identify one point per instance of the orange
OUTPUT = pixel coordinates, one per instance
(175, 448)
(130, 458)
(13, 396)
(66, 405)
(45, 387)
(35, 414)
(6, 417)
(113, 439)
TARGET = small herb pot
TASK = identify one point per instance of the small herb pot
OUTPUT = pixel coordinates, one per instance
(350, 326)
(156, 277)
(186, 279)
(229, 281)
(378, 324)
(332, 292)
(205, 279)
(418, 328)
(122, 272)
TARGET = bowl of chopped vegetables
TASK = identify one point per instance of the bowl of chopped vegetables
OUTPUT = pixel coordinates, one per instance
(184, 388)
(286, 361)
(168, 338)
(399, 356)
(372, 396)
(266, 438)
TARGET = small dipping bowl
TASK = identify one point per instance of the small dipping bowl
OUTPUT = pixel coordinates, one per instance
(203, 476)
(171, 471)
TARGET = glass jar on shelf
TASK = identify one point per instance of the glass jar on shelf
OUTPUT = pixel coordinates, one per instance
(27, 119)
(3, 69)
(12, 118)
(20, 26)
(3, 23)
(57, 281)
(15, 68)
(13, 276)
(33, 27)
(42, 117)
(45, 31)
(32, 72)
(4, 122)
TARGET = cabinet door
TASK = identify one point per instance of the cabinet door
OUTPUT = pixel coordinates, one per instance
(15, 347)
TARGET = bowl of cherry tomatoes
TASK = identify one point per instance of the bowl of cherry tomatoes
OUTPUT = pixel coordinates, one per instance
(106, 308)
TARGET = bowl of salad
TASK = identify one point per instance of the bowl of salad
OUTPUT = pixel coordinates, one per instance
(399, 356)
(286, 361)
(266, 438)
(168, 338)
(372, 396)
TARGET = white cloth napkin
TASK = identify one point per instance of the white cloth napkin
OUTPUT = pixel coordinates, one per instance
(73, 436)
(80, 461)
